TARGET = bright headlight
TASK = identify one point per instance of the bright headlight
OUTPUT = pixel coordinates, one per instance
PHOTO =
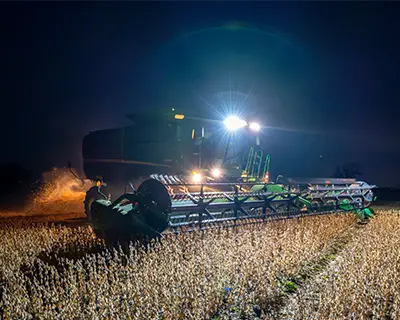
(254, 126)
(216, 172)
(197, 177)
(234, 123)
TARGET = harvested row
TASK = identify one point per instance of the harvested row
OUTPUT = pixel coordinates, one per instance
(362, 282)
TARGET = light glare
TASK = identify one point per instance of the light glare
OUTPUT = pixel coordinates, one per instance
(216, 172)
(234, 123)
(255, 126)
(197, 177)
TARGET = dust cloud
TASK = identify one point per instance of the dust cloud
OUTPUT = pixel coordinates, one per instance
(59, 193)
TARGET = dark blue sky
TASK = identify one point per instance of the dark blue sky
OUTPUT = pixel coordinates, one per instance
(332, 68)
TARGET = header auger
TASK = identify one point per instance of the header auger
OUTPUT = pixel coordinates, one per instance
(227, 194)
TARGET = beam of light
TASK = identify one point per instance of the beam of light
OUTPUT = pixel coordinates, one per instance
(228, 102)
(299, 130)
(234, 123)
(234, 102)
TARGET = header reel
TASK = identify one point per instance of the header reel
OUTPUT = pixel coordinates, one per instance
(170, 203)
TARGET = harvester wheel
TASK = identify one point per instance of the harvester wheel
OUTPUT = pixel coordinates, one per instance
(155, 192)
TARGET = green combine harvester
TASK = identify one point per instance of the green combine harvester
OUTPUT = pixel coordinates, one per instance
(169, 173)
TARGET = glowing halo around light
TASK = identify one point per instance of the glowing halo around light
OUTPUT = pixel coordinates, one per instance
(233, 123)
(216, 172)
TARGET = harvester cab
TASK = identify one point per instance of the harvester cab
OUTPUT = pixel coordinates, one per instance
(177, 173)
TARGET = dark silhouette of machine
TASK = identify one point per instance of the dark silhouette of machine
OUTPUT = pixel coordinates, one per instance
(168, 171)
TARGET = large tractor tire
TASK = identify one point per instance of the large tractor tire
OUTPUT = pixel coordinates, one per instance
(155, 215)
(147, 221)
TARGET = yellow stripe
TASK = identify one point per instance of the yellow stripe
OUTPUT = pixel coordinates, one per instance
(127, 162)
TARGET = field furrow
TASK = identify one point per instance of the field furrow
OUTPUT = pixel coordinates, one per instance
(361, 283)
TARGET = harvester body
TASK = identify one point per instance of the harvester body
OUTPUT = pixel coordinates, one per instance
(154, 162)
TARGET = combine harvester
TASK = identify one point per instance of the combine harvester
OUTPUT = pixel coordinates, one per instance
(182, 186)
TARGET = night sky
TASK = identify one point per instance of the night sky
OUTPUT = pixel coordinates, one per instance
(326, 72)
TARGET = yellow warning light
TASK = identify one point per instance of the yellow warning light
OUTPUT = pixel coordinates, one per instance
(192, 134)
(179, 116)
(98, 183)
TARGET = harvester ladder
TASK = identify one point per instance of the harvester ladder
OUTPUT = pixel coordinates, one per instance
(266, 164)
(257, 163)
(256, 167)
(249, 160)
